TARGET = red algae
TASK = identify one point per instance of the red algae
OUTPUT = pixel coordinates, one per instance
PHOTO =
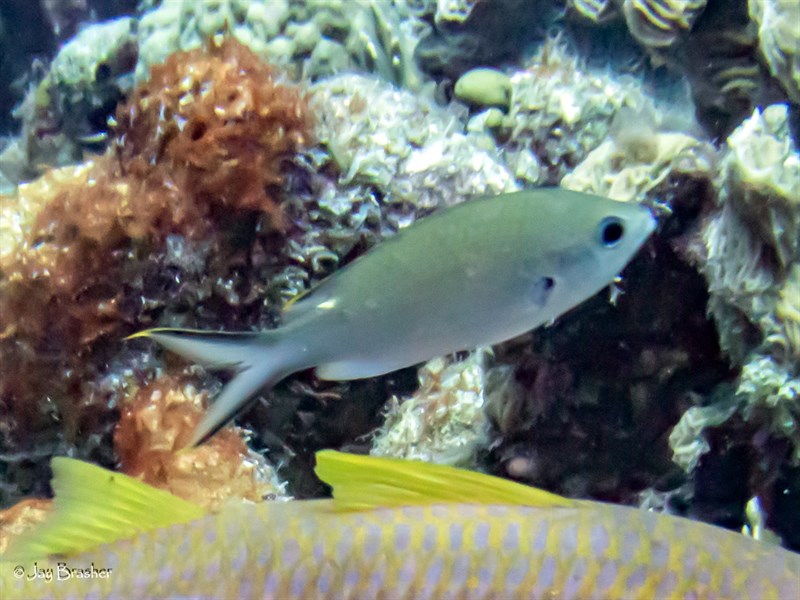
(197, 149)
(213, 123)
(150, 437)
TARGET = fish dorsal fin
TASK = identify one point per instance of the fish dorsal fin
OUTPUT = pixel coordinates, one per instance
(364, 482)
(94, 506)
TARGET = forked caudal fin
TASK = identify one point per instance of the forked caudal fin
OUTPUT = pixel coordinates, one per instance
(257, 358)
(96, 506)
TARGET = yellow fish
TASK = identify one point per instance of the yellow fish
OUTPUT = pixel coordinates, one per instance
(470, 275)
(394, 529)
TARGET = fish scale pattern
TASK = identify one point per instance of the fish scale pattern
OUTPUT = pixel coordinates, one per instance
(308, 550)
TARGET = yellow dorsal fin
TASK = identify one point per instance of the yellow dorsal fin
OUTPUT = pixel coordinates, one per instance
(364, 482)
(94, 506)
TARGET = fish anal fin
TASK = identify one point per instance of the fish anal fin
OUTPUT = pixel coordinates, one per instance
(364, 482)
(94, 506)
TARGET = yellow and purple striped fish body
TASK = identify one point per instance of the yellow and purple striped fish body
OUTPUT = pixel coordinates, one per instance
(309, 549)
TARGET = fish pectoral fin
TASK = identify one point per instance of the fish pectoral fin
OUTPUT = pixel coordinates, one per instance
(94, 506)
(365, 482)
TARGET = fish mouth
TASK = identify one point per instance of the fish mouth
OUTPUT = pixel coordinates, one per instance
(651, 221)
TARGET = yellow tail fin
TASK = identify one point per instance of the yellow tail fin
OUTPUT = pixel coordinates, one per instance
(365, 482)
(94, 506)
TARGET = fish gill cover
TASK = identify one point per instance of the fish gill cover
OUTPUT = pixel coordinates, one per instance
(256, 147)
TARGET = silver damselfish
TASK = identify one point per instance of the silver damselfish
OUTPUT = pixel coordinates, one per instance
(471, 275)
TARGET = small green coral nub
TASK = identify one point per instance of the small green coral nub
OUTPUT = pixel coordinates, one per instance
(484, 87)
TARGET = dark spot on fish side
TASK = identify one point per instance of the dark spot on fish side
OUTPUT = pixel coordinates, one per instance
(541, 290)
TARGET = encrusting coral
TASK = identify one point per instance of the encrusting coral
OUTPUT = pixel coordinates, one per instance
(197, 155)
(444, 421)
(640, 162)
(787, 313)
(779, 40)
(749, 256)
(559, 111)
(761, 179)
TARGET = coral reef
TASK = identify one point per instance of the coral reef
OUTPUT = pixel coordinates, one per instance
(779, 40)
(720, 59)
(158, 422)
(640, 163)
(311, 37)
(658, 23)
(596, 11)
(82, 87)
(196, 161)
(65, 114)
(387, 156)
(560, 111)
(444, 421)
(761, 180)
(410, 151)
(200, 144)
(484, 34)
(751, 245)
(218, 198)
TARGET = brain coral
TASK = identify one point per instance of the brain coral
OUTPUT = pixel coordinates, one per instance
(183, 24)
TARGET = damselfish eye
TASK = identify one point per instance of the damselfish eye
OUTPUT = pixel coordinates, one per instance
(611, 231)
